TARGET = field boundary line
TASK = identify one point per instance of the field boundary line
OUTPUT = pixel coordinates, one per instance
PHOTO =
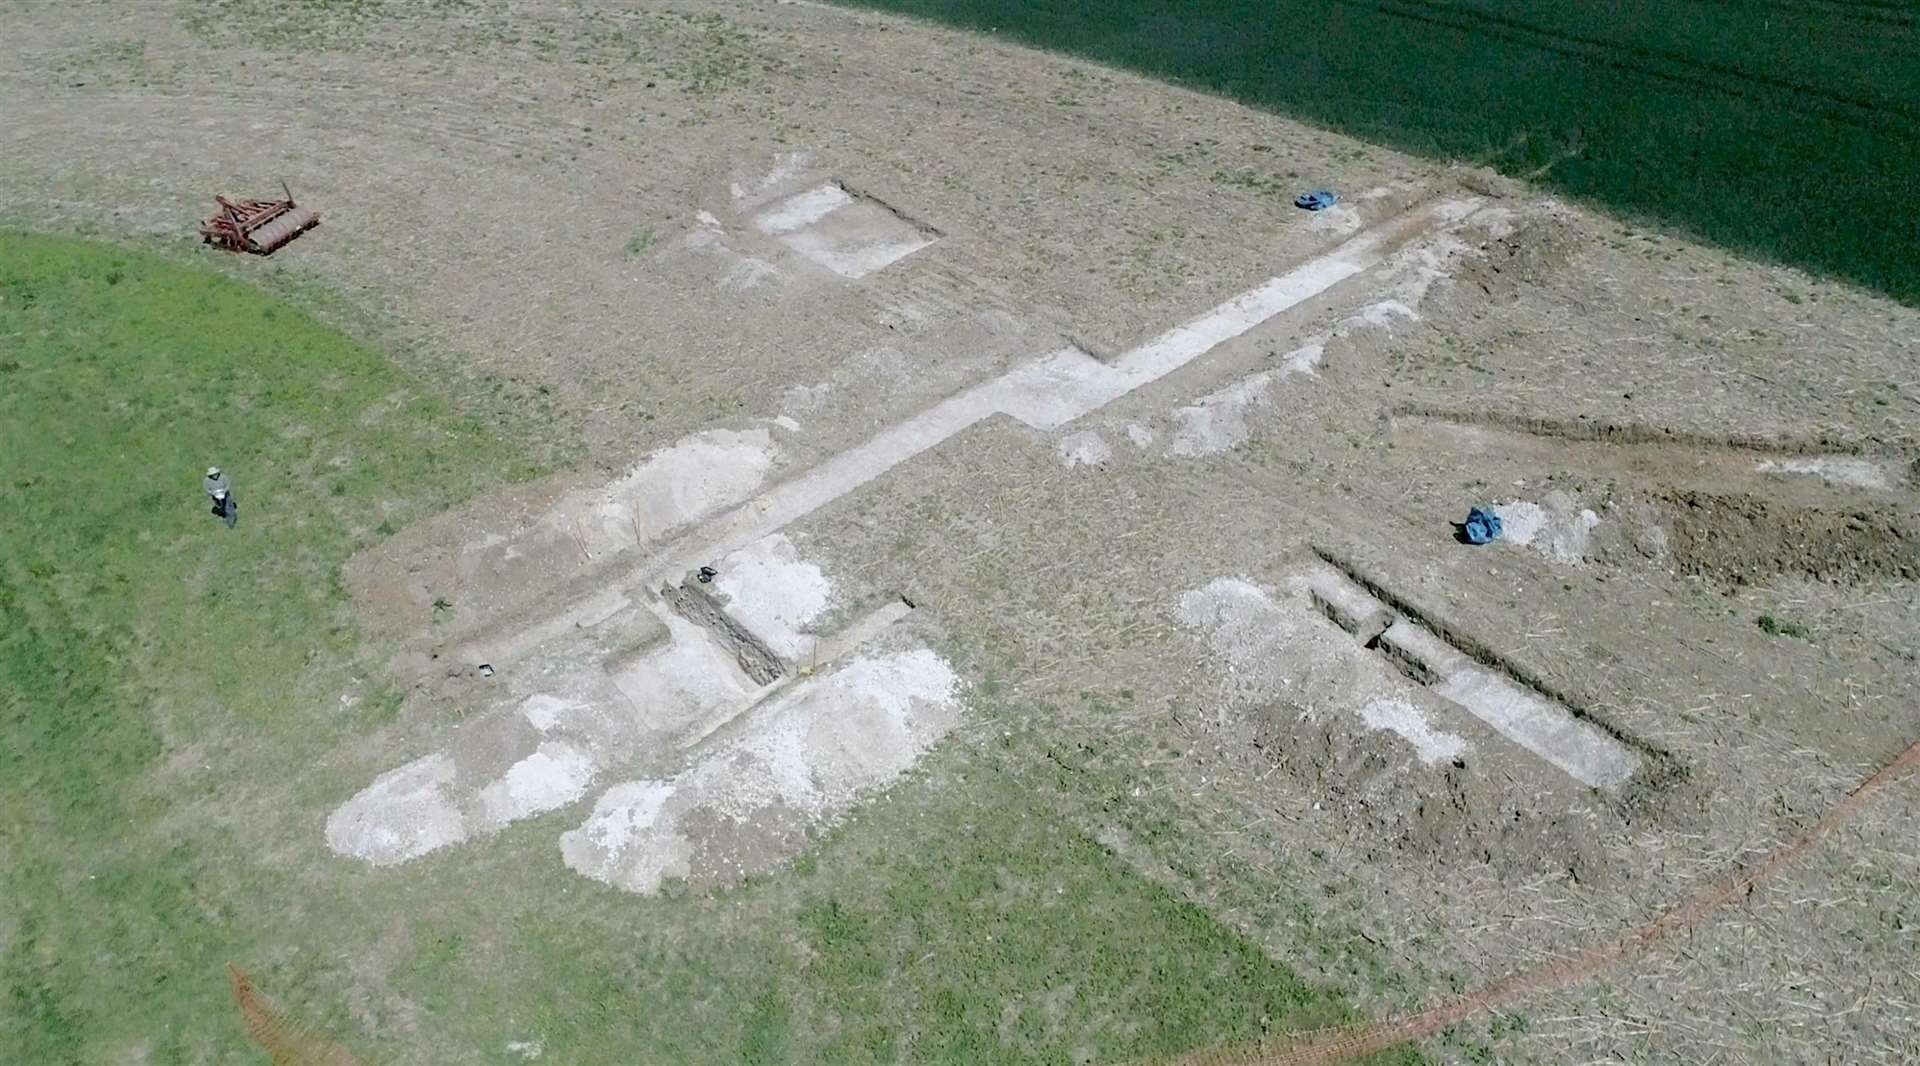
(1854, 111)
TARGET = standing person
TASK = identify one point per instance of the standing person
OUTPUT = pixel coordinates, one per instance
(221, 493)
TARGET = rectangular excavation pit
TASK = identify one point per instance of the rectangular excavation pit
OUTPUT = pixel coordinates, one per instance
(759, 662)
(1348, 606)
(832, 648)
(623, 637)
(1530, 719)
(1539, 725)
(849, 234)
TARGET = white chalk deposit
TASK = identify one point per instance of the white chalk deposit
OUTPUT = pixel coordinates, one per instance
(1839, 469)
(850, 236)
(1560, 529)
(556, 774)
(1085, 448)
(1274, 649)
(774, 593)
(817, 749)
(682, 483)
(406, 813)
(1410, 722)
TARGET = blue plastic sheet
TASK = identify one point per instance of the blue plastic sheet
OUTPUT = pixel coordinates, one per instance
(1481, 526)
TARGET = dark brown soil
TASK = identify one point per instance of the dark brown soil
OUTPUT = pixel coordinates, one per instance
(1739, 539)
(1464, 811)
(1538, 248)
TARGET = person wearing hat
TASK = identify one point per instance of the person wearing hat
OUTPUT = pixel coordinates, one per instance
(221, 493)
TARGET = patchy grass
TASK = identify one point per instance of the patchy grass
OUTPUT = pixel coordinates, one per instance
(961, 920)
(1265, 184)
(1782, 627)
(1793, 134)
(722, 56)
(173, 695)
(640, 243)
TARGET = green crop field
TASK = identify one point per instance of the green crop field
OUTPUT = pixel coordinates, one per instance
(170, 692)
(1786, 130)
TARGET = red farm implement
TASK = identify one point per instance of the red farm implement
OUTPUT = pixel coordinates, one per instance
(257, 226)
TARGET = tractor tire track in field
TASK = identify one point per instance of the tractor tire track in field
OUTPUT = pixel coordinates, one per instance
(1894, 16)
(1343, 1044)
(1680, 59)
(1855, 111)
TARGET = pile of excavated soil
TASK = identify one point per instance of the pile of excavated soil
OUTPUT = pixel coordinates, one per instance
(1738, 539)
(1297, 694)
(1460, 807)
(1521, 257)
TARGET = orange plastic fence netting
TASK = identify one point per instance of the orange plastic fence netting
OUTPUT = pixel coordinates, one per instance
(286, 1042)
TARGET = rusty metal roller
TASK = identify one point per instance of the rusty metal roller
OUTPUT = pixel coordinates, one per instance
(280, 230)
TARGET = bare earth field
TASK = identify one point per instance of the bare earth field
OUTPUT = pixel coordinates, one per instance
(1008, 398)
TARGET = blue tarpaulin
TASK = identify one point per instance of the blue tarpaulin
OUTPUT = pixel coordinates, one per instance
(1317, 200)
(1481, 526)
